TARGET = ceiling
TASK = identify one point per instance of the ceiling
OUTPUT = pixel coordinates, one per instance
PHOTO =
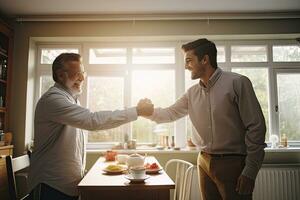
(96, 7)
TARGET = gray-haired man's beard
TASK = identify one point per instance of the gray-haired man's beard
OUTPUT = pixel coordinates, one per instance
(74, 90)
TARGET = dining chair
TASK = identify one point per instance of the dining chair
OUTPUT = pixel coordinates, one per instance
(183, 178)
(14, 165)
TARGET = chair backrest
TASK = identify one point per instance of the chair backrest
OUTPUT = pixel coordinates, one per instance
(183, 179)
(14, 165)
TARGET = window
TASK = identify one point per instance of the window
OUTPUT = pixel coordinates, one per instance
(46, 82)
(153, 56)
(107, 56)
(247, 53)
(149, 72)
(286, 53)
(120, 74)
(159, 85)
(106, 93)
(288, 87)
(49, 54)
(221, 54)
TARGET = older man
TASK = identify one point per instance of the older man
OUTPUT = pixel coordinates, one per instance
(58, 159)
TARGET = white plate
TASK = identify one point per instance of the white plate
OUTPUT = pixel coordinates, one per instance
(153, 171)
(129, 177)
(107, 171)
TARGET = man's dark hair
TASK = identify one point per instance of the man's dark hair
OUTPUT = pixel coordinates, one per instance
(202, 47)
(60, 61)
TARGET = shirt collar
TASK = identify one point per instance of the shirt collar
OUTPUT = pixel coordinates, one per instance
(213, 79)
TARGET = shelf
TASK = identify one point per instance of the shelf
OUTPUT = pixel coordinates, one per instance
(7, 147)
(2, 109)
(2, 81)
(3, 54)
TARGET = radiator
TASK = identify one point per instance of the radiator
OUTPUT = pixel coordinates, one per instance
(278, 182)
(273, 182)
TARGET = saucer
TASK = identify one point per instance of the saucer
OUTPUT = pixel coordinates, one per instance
(133, 180)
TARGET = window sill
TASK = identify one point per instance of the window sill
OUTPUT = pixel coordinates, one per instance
(143, 151)
(288, 149)
(185, 150)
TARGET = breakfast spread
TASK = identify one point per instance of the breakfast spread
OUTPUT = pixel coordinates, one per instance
(135, 164)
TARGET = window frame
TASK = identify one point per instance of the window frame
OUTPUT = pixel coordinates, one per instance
(46, 69)
(277, 71)
(125, 70)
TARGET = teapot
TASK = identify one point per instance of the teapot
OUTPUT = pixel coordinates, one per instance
(135, 160)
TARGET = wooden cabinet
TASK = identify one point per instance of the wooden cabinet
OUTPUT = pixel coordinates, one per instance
(4, 151)
(6, 51)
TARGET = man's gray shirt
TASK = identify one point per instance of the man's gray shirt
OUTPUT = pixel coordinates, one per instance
(58, 158)
(226, 116)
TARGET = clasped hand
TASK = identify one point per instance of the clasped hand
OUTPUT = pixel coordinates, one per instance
(145, 107)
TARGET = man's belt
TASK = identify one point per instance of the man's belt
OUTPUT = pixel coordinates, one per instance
(222, 155)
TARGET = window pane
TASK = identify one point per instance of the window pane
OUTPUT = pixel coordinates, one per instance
(249, 53)
(259, 79)
(288, 85)
(45, 82)
(49, 54)
(106, 93)
(153, 55)
(159, 86)
(107, 56)
(286, 53)
(221, 53)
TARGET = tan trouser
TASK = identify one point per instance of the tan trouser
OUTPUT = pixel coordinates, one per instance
(218, 177)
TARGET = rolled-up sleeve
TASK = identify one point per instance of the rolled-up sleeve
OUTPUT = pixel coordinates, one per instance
(61, 110)
(254, 122)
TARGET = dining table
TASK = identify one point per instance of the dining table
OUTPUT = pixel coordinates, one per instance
(97, 184)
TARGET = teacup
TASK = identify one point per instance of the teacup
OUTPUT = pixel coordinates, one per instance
(135, 160)
(137, 172)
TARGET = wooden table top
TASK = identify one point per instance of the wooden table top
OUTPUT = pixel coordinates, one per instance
(96, 179)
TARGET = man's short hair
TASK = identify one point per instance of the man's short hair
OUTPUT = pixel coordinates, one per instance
(202, 47)
(60, 61)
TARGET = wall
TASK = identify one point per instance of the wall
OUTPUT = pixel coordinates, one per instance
(22, 106)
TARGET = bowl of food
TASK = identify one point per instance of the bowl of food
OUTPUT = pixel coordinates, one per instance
(152, 168)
